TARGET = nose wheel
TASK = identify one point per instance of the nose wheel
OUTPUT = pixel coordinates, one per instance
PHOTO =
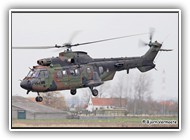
(73, 91)
(39, 98)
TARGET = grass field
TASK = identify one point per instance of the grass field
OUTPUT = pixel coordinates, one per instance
(128, 122)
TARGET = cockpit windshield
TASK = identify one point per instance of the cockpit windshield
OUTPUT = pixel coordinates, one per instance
(38, 73)
(33, 73)
(30, 73)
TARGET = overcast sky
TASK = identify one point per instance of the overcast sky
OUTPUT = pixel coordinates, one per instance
(41, 29)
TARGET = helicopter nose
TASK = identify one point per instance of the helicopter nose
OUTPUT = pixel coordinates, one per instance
(26, 84)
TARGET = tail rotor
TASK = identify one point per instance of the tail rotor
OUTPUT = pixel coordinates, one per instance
(151, 34)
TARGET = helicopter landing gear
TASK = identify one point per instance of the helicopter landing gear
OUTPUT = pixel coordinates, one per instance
(39, 98)
(73, 91)
(27, 91)
(94, 91)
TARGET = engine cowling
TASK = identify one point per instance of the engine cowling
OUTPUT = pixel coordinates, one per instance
(44, 62)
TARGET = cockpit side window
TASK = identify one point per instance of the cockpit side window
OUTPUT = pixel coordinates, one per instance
(43, 74)
(46, 74)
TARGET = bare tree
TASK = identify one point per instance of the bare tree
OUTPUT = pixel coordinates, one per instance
(86, 96)
(55, 100)
(142, 92)
(122, 87)
(103, 88)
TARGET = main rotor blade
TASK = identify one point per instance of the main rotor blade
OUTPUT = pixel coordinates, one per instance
(165, 50)
(74, 34)
(68, 45)
(30, 47)
(97, 41)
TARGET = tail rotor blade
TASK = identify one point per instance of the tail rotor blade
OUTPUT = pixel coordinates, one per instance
(142, 43)
(152, 30)
(151, 33)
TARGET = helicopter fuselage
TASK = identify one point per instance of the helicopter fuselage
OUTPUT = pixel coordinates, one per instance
(73, 76)
(73, 70)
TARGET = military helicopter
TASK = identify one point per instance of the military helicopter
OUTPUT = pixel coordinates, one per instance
(76, 69)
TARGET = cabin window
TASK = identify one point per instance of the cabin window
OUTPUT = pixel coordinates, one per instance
(88, 70)
(59, 74)
(64, 72)
(101, 70)
(72, 72)
(77, 71)
(41, 74)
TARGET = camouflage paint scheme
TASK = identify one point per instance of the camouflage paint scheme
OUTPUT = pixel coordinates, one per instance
(73, 70)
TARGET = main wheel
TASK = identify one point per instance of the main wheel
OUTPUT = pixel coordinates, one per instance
(39, 99)
(73, 91)
(95, 92)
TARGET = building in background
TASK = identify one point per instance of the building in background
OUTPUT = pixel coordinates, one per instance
(23, 108)
(106, 103)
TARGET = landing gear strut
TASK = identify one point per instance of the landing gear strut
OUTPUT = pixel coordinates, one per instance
(39, 98)
(94, 91)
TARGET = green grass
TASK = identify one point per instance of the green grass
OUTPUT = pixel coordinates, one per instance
(114, 120)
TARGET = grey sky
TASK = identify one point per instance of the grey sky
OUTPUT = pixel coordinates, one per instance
(41, 29)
